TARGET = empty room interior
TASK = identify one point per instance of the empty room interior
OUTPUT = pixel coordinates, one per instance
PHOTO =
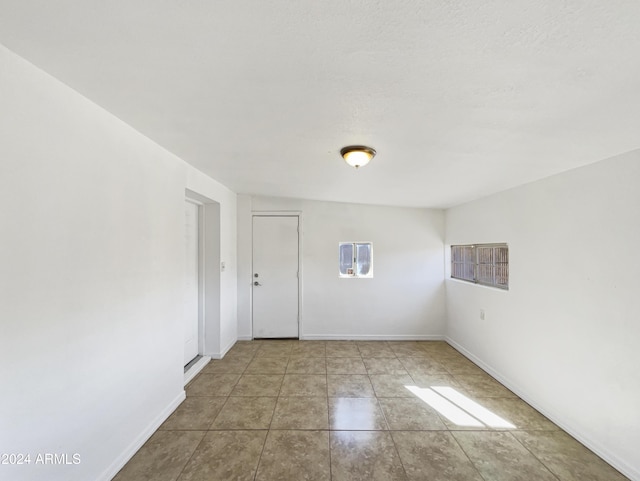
(334, 240)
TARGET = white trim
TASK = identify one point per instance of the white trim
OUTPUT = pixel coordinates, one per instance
(205, 250)
(200, 222)
(193, 201)
(300, 276)
(372, 337)
(244, 338)
(223, 352)
(227, 348)
(194, 370)
(277, 213)
(142, 438)
(202, 253)
(471, 283)
(594, 446)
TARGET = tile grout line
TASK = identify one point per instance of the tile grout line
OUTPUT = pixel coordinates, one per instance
(191, 457)
(536, 457)
(229, 395)
(389, 431)
(264, 444)
(206, 431)
(395, 446)
(449, 431)
(330, 435)
(467, 456)
(452, 432)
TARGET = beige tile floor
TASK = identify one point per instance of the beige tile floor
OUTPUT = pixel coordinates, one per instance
(343, 410)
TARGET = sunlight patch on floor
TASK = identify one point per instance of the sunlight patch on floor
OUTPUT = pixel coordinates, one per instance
(449, 410)
(480, 412)
(458, 408)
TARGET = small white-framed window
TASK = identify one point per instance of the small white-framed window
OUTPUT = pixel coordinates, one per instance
(355, 259)
(486, 264)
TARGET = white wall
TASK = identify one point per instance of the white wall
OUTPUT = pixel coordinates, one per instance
(565, 335)
(91, 279)
(404, 300)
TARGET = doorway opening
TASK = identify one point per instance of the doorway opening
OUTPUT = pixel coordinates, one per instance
(192, 305)
(202, 282)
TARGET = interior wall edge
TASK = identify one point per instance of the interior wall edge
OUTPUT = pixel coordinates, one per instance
(142, 438)
(223, 352)
(526, 396)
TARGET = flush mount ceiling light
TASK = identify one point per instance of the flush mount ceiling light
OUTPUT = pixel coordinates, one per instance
(357, 155)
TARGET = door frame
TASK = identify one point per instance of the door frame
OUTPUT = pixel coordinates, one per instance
(283, 213)
(201, 257)
(210, 280)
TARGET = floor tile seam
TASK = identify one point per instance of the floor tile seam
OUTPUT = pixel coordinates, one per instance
(424, 430)
(252, 395)
(255, 474)
(443, 420)
(218, 413)
(477, 470)
(218, 430)
(326, 383)
(535, 457)
(297, 429)
(332, 430)
(395, 446)
(191, 456)
(384, 415)
(233, 387)
(273, 413)
(330, 457)
(189, 429)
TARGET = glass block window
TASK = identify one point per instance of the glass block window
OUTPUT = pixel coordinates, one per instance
(486, 264)
(355, 259)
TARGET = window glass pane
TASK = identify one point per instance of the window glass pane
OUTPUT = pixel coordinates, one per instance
(346, 259)
(363, 259)
(355, 259)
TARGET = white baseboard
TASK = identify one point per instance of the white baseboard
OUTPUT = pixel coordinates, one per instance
(360, 337)
(142, 438)
(227, 348)
(597, 448)
(195, 369)
(376, 337)
(222, 352)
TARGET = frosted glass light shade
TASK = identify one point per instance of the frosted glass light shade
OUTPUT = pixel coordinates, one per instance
(357, 155)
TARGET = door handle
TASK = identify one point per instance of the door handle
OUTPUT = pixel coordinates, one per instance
(256, 283)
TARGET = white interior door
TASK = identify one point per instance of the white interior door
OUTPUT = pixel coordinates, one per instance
(275, 276)
(192, 291)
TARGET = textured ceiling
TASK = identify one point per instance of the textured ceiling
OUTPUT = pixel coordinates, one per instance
(460, 98)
